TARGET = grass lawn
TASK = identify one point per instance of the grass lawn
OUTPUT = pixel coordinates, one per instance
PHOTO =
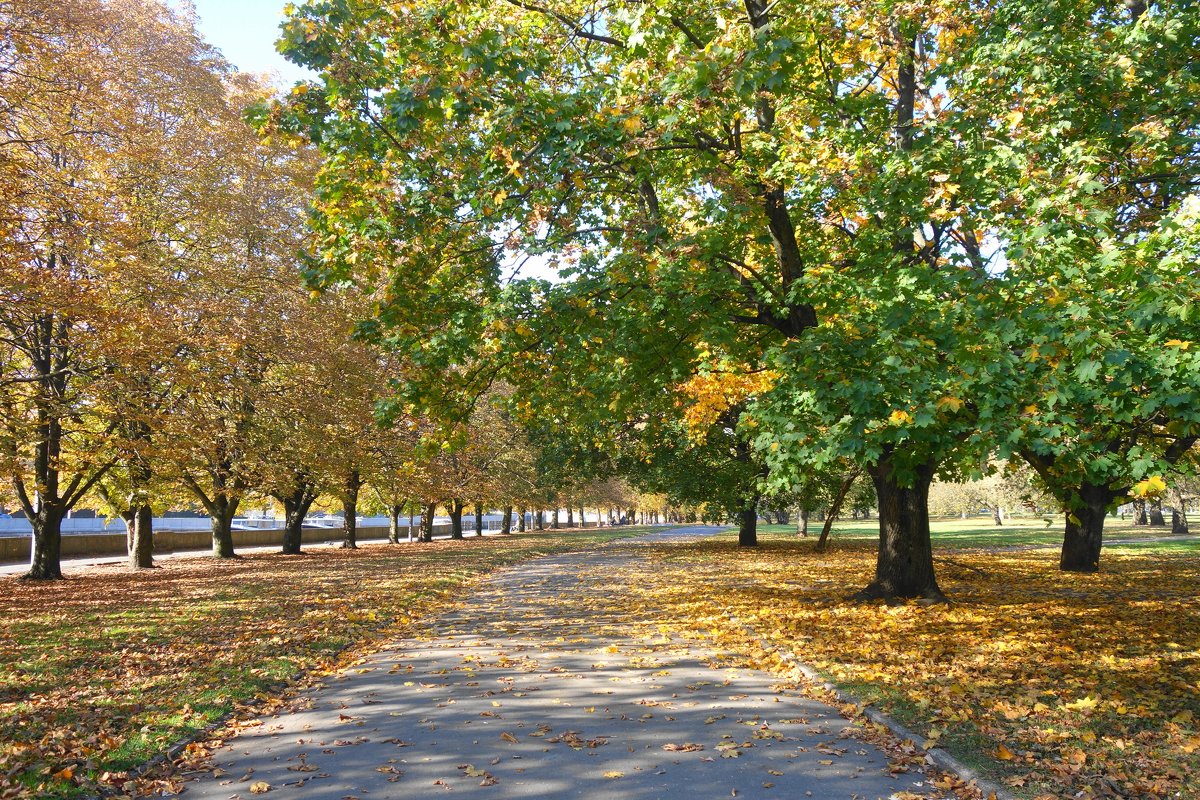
(1060, 685)
(101, 672)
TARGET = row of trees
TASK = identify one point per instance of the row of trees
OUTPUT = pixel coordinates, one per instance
(796, 240)
(157, 347)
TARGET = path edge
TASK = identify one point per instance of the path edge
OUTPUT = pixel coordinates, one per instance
(934, 755)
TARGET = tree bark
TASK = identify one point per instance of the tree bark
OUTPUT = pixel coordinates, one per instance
(427, 522)
(748, 523)
(479, 519)
(570, 517)
(904, 564)
(456, 512)
(295, 509)
(45, 561)
(139, 536)
(802, 523)
(1084, 531)
(394, 512)
(1155, 512)
(221, 513)
(554, 520)
(350, 490)
(835, 509)
(997, 516)
(540, 519)
(1139, 513)
(1179, 522)
(521, 519)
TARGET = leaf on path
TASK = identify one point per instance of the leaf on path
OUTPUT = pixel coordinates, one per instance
(614, 774)
(260, 787)
(686, 747)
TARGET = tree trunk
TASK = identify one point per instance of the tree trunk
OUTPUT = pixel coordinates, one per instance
(45, 558)
(394, 512)
(802, 526)
(1139, 513)
(835, 509)
(456, 512)
(506, 524)
(904, 564)
(295, 509)
(748, 523)
(427, 522)
(1156, 514)
(540, 519)
(350, 491)
(521, 519)
(410, 523)
(1179, 522)
(479, 519)
(554, 520)
(222, 514)
(570, 517)
(997, 516)
(139, 536)
(1084, 530)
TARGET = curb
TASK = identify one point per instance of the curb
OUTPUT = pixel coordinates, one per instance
(933, 755)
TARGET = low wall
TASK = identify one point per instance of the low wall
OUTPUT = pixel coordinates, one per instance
(16, 548)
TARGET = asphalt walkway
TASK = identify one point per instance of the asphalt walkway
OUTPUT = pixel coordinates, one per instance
(548, 684)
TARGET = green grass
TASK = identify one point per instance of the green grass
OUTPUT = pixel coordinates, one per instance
(981, 532)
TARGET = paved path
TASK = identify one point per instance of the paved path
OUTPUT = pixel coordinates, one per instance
(542, 686)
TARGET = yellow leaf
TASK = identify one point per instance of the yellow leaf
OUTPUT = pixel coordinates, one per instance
(1182, 345)
(950, 402)
(899, 417)
(1004, 754)
(260, 787)
(614, 774)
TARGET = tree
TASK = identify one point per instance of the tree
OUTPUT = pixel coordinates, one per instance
(94, 98)
(1101, 246)
(766, 184)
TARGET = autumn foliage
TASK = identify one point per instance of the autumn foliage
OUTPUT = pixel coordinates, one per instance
(1037, 674)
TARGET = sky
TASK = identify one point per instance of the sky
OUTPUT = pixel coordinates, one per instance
(245, 31)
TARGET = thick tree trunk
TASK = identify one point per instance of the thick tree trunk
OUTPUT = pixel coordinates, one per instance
(394, 512)
(802, 523)
(1084, 531)
(1139, 513)
(1179, 522)
(997, 515)
(506, 524)
(1155, 512)
(427, 522)
(350, 490)
(45, 558)
(479, 519)
(521, 519)
(222, 514)
(570, 517)
(456, 512)
(554, 520)
(748, 523)
(295, 510)
(904, 564)
(540, 519)
(139, 536)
